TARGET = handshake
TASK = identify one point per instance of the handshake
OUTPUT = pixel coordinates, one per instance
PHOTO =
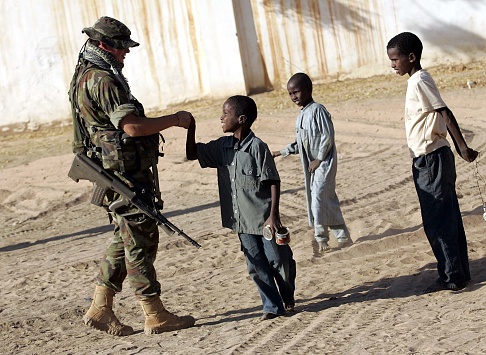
(185, 119)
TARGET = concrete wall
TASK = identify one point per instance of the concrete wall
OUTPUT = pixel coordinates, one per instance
(188, 50)
(347, 38)
(192, 49)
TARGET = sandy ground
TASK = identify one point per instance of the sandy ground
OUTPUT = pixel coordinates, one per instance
(366, 299)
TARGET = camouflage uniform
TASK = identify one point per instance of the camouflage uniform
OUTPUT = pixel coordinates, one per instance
(102, 100)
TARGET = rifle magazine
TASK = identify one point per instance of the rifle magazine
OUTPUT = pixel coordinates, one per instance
(98, 195)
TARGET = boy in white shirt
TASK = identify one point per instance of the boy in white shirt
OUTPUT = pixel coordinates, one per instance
(427, 121)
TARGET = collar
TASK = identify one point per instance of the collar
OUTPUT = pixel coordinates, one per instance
(417, 73)
(239, 145)
(306, 106)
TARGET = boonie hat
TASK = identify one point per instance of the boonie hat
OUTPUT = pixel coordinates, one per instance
(111, 32)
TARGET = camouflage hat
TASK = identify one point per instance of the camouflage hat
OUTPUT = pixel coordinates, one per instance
(111, 32)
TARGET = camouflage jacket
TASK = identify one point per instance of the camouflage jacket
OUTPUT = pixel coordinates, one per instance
(102, 99)
(99, 102)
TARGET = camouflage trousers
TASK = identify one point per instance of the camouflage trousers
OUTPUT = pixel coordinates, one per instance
(131, 254)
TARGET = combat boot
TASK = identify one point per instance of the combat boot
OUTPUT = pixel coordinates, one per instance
(159, 320)
(100, 315)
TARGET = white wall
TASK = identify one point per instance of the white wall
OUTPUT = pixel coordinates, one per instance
(189, 49)
(348, 38)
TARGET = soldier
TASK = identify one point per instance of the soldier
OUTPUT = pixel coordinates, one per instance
(110, 126)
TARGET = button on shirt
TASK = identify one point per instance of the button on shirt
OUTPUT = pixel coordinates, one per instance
(243, 168)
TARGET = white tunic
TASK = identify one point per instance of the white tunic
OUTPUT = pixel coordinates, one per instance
(315, 140)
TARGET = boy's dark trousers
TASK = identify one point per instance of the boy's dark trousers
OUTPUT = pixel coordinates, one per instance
(434, 176)
(273, 270)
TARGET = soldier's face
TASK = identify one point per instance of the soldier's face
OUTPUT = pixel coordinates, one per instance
(119, 54)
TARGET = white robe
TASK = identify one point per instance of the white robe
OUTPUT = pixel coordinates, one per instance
(315, 140)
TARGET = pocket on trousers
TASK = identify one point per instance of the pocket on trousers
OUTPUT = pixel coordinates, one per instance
(420, 163)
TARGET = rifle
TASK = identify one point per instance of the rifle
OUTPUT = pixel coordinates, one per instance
(84, 168)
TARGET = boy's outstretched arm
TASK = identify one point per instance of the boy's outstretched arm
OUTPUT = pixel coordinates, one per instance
(291, 148)
(462, 149)
(274, 219)
(191, 148)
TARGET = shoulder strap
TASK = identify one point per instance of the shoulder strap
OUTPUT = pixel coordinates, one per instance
(81, 138)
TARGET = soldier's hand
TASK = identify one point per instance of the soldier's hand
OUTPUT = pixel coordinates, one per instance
(184, 119)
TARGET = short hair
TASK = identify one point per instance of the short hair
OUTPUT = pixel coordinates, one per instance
(406, 43)
(244, 105)
(302, 80)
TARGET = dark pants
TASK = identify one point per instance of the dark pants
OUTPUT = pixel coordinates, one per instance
(270, 265)
(434, 176)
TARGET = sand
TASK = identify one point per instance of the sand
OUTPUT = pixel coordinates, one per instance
(365, 299)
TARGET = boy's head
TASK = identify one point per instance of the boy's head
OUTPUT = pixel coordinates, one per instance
(299, 87)
(405, 52)
(238, 110)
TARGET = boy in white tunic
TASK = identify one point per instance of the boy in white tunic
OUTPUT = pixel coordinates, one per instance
(427, 121)
(315, 144)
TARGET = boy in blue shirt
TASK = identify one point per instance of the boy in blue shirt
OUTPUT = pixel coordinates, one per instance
(249, 192)
(427, 121)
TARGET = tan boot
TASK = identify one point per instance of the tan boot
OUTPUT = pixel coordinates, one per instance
(159, 320)
(100, 315)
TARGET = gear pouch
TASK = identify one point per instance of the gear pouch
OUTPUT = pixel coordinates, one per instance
(117, 150)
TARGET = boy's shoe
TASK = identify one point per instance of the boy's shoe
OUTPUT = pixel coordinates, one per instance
(289, 307)
(440, 285)
(267, 316)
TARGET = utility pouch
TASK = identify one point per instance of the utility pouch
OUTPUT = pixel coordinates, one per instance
(117, 150)
(120, 152)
